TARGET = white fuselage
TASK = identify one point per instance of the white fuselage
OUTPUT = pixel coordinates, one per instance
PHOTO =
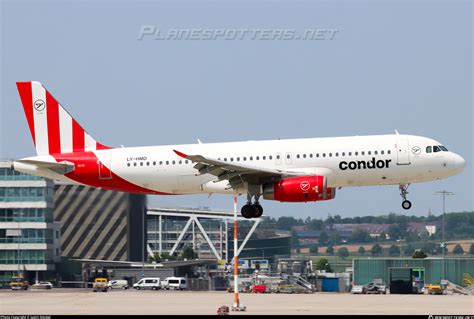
(340, 159)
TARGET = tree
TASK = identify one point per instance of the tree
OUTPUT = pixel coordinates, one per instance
(330, 250)
(361, 250)
(394, 231)
(343, 252)
(323, 264)
(458, 250)
(285, 223)
(408, 250)
(188, 253)
(313, 249)
(376, 250)
(394, 250)
(323, 237)
(360, 236)
(383, 236)
(419, 254)
(471, 249)
(166, 255)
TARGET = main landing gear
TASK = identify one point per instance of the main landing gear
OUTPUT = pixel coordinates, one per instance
(406, 204)
(250, 210)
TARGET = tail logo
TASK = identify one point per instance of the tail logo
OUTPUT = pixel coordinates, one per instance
(39, 105)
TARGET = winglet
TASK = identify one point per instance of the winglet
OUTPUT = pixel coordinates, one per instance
(180, 154)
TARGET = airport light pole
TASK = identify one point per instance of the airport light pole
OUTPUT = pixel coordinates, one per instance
(236, 304)
(443, 244)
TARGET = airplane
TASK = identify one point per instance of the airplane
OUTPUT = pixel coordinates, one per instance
(292, 170)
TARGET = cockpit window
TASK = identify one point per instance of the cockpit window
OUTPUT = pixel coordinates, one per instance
(436, 149)
(428, 149)
(443, 148)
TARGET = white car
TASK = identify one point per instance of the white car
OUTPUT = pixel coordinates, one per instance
(177, 283)
(148, 283)
(42, 285)
(117, 284)
(357, 289)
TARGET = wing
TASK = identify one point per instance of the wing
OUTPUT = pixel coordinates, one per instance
(236, 173)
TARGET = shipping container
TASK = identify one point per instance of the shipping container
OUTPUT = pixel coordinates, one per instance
(366, 269)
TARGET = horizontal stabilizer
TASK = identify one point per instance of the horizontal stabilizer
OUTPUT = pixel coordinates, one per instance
(63, 167)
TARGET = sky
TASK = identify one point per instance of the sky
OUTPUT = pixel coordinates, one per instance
(387, 65)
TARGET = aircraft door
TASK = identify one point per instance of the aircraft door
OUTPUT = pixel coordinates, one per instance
(104, 164)
(403, 153)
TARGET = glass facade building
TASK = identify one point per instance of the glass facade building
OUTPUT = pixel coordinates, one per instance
(29, 237)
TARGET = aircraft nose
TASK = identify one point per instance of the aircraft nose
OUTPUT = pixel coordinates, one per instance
(458, 162)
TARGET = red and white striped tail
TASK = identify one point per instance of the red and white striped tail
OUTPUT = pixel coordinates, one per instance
(54, 131)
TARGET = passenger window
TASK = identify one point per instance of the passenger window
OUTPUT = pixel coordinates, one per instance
(141, 163)
(324, 154)
(350, 153)
(231, 159)
(257, 158)
(311, 155)
(317, 154)
(304, 155)
(388, 152)
(270, 157)
(337, 154)
(174, 162)
(278, 156)
(161, 162)
(147, 163)
(186, 161)
(288, 156)
(297, 155)
(436, 149)
(225, 159)
(375, 152)
(167, 162)
(251, 158)
(238, 159)
(362, 153)
(128, 164)
(356, 153)
(180, 162)
(154, 163)
(330, 154)
(245, 158)
(264, 157)
(381, 152)
(343, 154)
(369, 153)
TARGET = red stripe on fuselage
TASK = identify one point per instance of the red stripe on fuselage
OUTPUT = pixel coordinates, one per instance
(54, 139)
(86, 171)
(78, 139)
(26, 95)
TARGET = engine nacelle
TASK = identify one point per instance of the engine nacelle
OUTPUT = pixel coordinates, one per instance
(299, 189)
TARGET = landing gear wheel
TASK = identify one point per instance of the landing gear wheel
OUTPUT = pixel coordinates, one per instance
(259, 210)
(248, 211)
(406, 204)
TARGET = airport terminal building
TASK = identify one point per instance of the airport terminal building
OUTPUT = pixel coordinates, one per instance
(29, 237)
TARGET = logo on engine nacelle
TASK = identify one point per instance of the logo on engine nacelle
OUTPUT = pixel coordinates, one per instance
(305, 185)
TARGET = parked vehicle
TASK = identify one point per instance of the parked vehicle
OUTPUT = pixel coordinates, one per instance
(376, 287)
(100, 284)
(118, 284)
(19, 283)
(259, 288)
(435, 289)
(177, 283)
(148, 283)
(42, 285)
(358, 289)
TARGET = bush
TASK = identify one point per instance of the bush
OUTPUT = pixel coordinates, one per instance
(330, 250)
(343, 252)
(323, 264)
(313, 249)
(419, 254)
(458, 250)
(376, 250)
(361, 250)
(394, 250)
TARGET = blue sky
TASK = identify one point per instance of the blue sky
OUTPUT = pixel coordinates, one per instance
(391, 65)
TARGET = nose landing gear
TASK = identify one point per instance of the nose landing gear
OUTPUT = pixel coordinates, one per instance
(250, 210)
(406, 204)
